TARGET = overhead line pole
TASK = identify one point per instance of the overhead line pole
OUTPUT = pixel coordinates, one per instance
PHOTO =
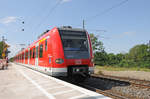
(83, 24)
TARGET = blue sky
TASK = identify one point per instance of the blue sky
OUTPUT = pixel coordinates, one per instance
(125, 26)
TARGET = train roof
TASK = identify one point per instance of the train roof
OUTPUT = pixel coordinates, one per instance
(69, 28)
(44, 34)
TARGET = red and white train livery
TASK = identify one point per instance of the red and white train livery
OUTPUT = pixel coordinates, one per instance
(63, 51)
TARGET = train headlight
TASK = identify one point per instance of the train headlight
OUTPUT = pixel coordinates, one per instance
(59, 61)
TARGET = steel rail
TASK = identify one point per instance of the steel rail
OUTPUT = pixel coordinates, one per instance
(105, 93)
(134, 82)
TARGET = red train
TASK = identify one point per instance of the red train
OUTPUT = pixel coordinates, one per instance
(63, 51)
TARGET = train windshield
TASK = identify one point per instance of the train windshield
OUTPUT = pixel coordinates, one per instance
(74, 40)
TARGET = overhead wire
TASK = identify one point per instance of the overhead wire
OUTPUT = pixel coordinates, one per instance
(36, 14)
(50, 12)
(106, 10)
(103, 12)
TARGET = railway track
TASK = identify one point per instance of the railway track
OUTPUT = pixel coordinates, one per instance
(107, 86)
(133, 82)
(140, 84)
(106, 93)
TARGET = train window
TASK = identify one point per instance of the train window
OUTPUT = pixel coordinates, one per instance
(46, 45)
(22, 56)
(41, 51)
(33, 53)
(26, 55)
(37, 52)
(30, 53)
(74, 41)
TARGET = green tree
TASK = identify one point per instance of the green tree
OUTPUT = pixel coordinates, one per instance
(112, 60)
(97, 45)
(140, 55)
(100, 56)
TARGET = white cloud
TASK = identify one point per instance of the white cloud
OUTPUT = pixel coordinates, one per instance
(126, 34)
(63, 1)
(8, 20)
(129, 33)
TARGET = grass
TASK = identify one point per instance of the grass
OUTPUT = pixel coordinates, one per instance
(110, 68)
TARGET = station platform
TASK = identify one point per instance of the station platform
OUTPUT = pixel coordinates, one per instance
(19, 82)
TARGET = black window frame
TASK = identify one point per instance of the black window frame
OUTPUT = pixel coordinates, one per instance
(22, 56)
(46, 45)
(30, 53)
(33, 54)
(37, 52)
(41, 51)
(26, 55)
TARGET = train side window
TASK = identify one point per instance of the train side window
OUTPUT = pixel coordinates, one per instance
(26, 55)
(46, 45)
(22, 56)
(37, 51)
(30, 53)
(33, 53)
(41, 51)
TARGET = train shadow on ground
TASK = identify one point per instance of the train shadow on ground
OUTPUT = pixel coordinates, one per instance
(105, 84)
(99, 83)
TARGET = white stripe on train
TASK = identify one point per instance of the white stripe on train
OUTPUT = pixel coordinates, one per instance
(52, 71)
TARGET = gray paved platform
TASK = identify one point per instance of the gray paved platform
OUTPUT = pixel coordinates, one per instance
(19, 82)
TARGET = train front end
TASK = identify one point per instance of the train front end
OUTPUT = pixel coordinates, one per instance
(78, 56)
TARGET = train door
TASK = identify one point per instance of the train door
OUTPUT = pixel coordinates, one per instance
(36, 55)
(28, 55)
